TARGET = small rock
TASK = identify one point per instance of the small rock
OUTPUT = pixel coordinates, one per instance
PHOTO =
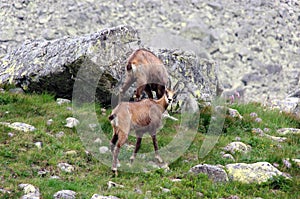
(237, 147)
(176, 180)
(59, 134)
(285, 131)
(215, 5)
(49, 122)
(103, 149)
(71, 122)
(55, 177)
(112, 184)
(238, 138)
(65, 194)
(18, 5)
(277, 139)
(165, 190)
(21, 126)
(215, 173)
(66, 167)
(43, 172)
(61, 101)
(228, 156)
(30, 191)
(38, 145)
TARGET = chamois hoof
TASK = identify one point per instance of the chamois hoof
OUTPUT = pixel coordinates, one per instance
(159, 159)
(115, 171)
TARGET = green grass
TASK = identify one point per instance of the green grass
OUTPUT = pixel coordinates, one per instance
(20, 159)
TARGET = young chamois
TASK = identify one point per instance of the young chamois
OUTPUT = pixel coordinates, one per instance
(149, 73)
(142, 116)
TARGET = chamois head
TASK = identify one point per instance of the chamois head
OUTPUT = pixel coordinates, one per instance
(175, 90)
(170, 96)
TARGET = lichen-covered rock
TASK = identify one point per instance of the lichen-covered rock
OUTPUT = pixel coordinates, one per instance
(228, 156)
(71, 122)
(65, 194)
(215, 173)
(66, 167)
(61, 101)
(237, 147)
(52, 66)
(112, 184)
(252, 173)
(285, 131)
(20, 126)
(275, 138)
(289, 105)
(31, 192)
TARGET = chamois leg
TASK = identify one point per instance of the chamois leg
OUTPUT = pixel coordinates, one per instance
(148, 91)
(115, 160)
(139, 91)
(121, 141)
(137, 147)
(160, 91)
(113, 144)
(157, 156)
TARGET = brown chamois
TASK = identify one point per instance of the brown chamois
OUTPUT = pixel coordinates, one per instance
(149, 73)
(142, 116)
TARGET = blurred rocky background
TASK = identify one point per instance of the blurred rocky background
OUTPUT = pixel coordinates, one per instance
(254, 43)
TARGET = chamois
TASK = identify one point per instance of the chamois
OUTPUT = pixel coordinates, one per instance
(149, 73)
(142, 116)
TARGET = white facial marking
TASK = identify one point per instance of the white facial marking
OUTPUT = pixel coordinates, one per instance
(134, 67)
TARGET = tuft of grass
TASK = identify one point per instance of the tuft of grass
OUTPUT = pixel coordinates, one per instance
(21, 160)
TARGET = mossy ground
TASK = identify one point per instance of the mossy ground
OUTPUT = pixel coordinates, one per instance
(20, 159)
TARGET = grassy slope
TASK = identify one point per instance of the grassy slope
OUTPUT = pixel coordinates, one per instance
(20, 159)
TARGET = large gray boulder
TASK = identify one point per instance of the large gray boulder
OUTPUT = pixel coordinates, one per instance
(97, 62)
(51, 66)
